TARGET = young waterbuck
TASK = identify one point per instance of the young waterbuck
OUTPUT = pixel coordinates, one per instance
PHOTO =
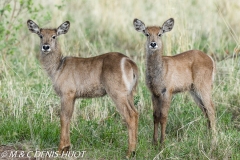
(191, 71)
(73, 77)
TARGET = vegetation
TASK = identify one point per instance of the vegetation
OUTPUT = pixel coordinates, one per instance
(29, 108)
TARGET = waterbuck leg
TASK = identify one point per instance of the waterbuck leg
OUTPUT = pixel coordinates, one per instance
(156, 118)
(203, 100)
(128, 112)
(163, 117)
(67, 105)
(134, 126)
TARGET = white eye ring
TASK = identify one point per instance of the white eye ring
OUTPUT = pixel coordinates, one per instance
(53, 36)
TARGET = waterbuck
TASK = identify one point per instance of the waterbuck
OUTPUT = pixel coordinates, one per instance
(73, 77)
(191, 71)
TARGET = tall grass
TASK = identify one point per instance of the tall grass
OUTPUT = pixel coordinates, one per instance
(29, 108)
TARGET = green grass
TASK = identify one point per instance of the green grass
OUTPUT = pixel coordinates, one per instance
(29, 108)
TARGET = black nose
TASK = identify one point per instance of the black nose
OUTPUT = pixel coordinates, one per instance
(46, 47)
(153, 44)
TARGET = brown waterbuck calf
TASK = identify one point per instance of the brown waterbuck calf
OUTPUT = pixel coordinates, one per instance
(191, 71)
(73, 77)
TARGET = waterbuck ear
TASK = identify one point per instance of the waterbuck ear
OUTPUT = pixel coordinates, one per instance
(168, 25)
(33, 27)
(139, 25)
(63, 28)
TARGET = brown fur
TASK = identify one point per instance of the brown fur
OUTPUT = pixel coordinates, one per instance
(191, 71)
(75, 77)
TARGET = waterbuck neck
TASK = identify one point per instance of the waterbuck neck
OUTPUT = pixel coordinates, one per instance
(52, 60)
(154, 62)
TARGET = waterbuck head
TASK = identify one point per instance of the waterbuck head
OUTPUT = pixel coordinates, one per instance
(153, 33)
(48, 37)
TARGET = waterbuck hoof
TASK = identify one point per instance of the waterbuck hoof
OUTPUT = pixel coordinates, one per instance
(155, 143)
(63, 150)
(131, 155)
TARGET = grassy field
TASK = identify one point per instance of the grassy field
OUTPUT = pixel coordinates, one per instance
(29, 107)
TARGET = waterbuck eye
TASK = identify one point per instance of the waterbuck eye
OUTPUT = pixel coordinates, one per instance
(54, 37)
(146, 34)
(40, 36)
(159, 34)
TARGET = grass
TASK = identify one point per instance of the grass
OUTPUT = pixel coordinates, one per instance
(29, 108)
